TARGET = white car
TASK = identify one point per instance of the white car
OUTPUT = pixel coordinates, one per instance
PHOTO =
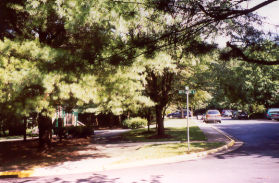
(212, 116)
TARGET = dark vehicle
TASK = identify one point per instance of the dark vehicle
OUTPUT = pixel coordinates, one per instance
(178, 114)
(240, 115)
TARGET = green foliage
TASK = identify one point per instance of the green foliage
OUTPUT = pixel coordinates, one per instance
(258, 108)
(134, 123)
(104, 53)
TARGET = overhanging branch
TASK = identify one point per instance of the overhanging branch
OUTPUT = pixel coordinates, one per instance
(223, 14)
(239, 53)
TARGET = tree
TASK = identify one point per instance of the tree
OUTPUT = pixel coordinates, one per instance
(238, 85)
(58, 65)
(178, 22)
(78, 46)
(159, 77)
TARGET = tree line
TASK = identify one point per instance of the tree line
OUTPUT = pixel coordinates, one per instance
(121, 56)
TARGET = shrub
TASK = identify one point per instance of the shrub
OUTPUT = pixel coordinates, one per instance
(79, 131)
(135, 123)
(258, 108)
(257, 115)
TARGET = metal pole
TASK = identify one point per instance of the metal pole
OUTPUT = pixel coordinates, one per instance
(188, 135)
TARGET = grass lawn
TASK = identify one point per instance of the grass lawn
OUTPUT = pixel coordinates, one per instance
(175, 131)
(12, 137)
(172, 134)
(17, 137)
(28, 133)
(157, 151)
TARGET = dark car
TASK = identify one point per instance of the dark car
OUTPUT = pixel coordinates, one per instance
(178, 114)
(240, 115)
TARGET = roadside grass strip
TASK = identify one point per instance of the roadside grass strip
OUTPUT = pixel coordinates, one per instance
(16, 174)
(171, 134)
(159, 151)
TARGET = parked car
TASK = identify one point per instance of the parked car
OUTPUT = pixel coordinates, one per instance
(272, 113)
(240, 115)
(200, 116)
(178, 114)
(226, 113)
(212, 116)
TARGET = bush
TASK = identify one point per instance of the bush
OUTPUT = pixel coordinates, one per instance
(135, 123)
(79, 131)
(257, 115)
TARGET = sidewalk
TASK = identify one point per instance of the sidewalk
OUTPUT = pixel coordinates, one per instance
(115, 151)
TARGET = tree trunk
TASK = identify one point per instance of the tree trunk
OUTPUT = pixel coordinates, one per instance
(96, 121)
(148, 121)
(160, 121)
(128, 116)
(120, 120)
(45, 133)
(182, 112)
(25, 127)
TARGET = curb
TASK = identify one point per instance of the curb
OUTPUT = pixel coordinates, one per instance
(114, 165)
(175, 159)
(16, 174)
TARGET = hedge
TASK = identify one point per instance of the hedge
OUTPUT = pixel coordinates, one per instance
(135, 123)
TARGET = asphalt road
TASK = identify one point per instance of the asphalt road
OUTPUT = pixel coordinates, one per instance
(257, 161)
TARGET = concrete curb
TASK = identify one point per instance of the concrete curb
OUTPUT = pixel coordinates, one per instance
(175, 159)
(16, 174)
(110, 165)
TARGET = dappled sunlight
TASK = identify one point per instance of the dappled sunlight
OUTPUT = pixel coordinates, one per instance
(25, 155)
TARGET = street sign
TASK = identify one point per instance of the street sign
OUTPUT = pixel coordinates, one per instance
(181, 91)
(187, 91)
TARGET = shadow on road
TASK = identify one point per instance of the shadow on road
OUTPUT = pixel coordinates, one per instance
(25, 155)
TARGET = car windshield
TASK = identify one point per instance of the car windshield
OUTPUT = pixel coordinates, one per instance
(273, 110)
(213, 112)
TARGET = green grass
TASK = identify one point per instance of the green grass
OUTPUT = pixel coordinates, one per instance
(12, 137)
(157, 151)
(28, 133)
(172, 134)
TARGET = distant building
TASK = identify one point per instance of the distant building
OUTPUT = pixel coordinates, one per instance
(63, 118)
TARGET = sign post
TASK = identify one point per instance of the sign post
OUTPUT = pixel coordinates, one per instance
(188, 132)
(187, 91)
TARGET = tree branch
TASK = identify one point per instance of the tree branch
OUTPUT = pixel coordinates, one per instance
(223, 14)
(240, 53)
